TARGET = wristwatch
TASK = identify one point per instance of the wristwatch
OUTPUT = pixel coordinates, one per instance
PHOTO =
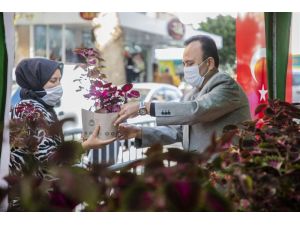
(142, 110)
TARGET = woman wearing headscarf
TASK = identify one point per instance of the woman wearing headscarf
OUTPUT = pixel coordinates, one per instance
(41, 90)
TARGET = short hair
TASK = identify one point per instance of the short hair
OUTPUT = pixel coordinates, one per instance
(209, 47)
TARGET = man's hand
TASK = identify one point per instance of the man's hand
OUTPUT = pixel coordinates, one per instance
(128, 110)
(127, 131)
(93, 142)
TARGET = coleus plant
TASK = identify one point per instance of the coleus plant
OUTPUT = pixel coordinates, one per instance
(252, 167)
(259, 168)
(105, 96)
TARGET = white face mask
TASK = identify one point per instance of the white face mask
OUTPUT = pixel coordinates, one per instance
(192, 75)
(53, 95)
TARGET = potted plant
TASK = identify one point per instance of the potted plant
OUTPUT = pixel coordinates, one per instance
(106, 98)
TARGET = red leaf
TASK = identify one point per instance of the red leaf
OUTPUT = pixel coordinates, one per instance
(112, 89)
(87, 95)
(107, 85)
(127, 87)
(98, 83)
(260, 108)
(133, 94)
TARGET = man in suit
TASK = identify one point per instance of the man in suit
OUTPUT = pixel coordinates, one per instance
(215, 101)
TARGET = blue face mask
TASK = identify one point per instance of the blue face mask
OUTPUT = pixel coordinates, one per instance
(53, 95)
(193, 76)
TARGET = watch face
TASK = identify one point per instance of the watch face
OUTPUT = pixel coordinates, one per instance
(142, 111)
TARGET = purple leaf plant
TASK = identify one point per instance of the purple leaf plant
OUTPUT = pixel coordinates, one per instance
(106, 97)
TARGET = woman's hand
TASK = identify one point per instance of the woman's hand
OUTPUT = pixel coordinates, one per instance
(93, 142)
(127, 131)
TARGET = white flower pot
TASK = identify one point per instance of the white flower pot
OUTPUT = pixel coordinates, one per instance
(105, 120)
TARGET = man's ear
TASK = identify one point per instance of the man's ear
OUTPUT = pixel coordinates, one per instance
(211, 63)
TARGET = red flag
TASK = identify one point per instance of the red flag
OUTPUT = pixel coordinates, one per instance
(251, 60)
(289, 79)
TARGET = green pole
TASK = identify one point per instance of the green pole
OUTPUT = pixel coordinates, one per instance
(277, 28)
(3, 77)
(6, 64)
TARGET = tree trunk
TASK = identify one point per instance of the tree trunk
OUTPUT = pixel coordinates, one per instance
(110, 41)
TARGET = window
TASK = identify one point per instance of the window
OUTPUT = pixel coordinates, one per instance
(295, 50)
(77, 37)
(40, 38)
(55, 43)
(296, 78)
(49, 41)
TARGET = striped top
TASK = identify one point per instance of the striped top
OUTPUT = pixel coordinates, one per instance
(35, 135)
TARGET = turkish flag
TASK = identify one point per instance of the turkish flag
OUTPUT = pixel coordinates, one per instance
(251, 60)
